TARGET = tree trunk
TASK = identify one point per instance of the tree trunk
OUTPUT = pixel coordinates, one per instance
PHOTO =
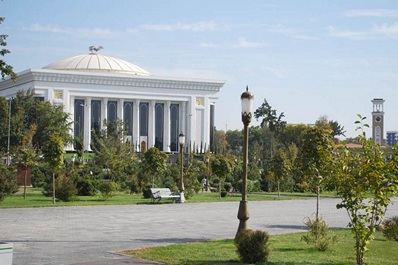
(279, 191)
(53, 188)
(318, 197)
(25, 180)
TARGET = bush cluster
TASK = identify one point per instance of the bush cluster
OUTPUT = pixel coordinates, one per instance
(252, 246)
(390, 228)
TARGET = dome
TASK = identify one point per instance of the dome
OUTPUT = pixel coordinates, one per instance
(96, 62)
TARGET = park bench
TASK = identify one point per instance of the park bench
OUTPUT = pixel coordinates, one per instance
(163, 193)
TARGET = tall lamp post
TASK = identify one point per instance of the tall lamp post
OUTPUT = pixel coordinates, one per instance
(243, 212)
(9, 131)
(181, 139)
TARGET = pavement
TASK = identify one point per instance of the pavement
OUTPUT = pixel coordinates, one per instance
(91, 235)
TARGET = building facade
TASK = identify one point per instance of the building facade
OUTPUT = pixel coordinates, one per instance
(93, 88)
(392, 137)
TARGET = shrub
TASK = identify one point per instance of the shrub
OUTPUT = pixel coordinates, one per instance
(86, 186)
(390, 228)
(252, 246)
(318, 234)
(146, 192)
(224, 193)
(65, 189)
(8, 182)
(108, 189)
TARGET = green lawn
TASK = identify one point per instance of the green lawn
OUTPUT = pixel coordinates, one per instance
(35, 198)
(285, 249)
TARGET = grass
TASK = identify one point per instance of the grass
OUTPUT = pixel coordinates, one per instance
(285, 249)
(35, 198)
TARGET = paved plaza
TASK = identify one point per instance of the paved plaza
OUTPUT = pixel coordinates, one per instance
(91, 235)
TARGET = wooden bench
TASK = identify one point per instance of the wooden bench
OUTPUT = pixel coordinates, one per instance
(163, 193)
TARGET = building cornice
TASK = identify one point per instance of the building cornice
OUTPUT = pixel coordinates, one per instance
(109, 79)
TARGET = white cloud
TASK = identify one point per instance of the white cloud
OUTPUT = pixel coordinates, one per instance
(193, 27)
(291, 32)
(82, 32)
(356, 35)
(388, 30)
(244, 43)
(372, 13)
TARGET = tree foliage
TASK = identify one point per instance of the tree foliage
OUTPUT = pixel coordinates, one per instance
(365, 181)
(5, 69)
(315, 160)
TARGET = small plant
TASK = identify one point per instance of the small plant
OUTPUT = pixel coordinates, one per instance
(224, 193)
(252, 246)
(390, 228)
(318, 234)
(65, 189)
(108, 189)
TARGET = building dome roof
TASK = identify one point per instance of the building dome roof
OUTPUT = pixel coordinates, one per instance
(96, 62)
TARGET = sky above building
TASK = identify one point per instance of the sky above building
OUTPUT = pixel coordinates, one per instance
(307, 58)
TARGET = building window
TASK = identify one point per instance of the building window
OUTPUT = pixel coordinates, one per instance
(174, 126)
(96, 116)
(128, 117)
(112, 110)
(79, 118)
(159, 121)
(79, 123)
(144, 119)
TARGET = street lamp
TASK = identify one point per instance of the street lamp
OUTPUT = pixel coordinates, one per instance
(208, 173)
(243, 212)
(181, 139)
(9, 131)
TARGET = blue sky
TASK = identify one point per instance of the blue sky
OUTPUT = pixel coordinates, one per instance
(306, 58)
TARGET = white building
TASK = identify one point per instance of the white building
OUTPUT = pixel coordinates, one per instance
(96, 87)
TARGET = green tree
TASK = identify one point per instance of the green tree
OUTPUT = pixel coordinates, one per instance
(54, 154)
(315, 160)
(153, 162)
(8, 181)
(27, 154)
(26, 111)
(282, 164)
(365, 181)
(112, 152)
(5, 69)
(271, 120)
(221, 166)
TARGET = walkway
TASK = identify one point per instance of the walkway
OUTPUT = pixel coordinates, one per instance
(93, 234)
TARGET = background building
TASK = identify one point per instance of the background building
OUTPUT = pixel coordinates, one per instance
(392, 137)
(95, 87)
(378, 121)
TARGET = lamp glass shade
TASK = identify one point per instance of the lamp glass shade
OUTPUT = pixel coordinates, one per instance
(247, 104)
(181, 138)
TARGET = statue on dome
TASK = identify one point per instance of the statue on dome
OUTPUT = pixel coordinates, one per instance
(95, 49)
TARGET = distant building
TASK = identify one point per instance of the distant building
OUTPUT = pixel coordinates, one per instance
(155, 110)
(378, 121)
(392, 137)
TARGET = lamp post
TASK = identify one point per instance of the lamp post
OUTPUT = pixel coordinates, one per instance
(208, 173)
(243, 212)
(181, 139)
(9, 131)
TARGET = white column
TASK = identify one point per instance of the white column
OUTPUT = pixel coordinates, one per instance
(136, 124)
(192, 121)
(72, 119)
(87, 125)
(151, 124)
(206, 125)
(166, 127)
(120, 109)
(104, 112)
(120, 112)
